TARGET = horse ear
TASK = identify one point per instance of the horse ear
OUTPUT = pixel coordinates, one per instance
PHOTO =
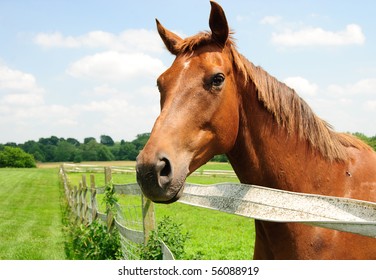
(218, 24)
(170, 39)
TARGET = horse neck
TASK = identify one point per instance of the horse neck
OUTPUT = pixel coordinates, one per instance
(265, 153)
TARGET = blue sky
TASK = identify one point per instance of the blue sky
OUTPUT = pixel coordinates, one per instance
(87, 68)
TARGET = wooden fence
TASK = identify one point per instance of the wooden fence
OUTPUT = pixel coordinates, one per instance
(251, 201)
(83, 202)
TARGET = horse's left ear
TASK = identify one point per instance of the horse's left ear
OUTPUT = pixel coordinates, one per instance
(170, 39)
(218, 24)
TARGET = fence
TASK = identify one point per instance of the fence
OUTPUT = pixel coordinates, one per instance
(79, 168)
(87, 210)
(251, 201)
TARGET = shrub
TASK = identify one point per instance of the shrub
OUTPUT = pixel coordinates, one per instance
(171, 234)
(92, 242)
(15, 157)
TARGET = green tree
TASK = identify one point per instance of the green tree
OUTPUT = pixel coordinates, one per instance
(15, 157)
(220, 158)
(104, 154)
(73, 141)
(107, 140)
(89, 139)
(371, 141)
(90, 150)
(53, 140)
(65, 151)
(128, 151)
(35, 149)
(141, 140)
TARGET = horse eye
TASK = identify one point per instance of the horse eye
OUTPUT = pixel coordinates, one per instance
(218, 80)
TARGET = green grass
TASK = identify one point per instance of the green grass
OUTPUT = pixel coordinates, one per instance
(30, 215)
(214, 235)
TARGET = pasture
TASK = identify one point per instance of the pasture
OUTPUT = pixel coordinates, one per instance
(30, 215)
(213, 234)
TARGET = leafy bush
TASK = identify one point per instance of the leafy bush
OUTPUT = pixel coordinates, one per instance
(15, 157)
(171, 234)
(92, 242)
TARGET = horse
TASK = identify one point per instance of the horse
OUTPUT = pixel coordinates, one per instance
(214, 101)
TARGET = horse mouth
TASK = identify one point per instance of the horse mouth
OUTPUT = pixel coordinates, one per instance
(175, 198)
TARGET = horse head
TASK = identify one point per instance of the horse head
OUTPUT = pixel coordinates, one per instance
(199, 110)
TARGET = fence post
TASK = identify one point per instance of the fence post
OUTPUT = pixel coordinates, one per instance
(148, 217)
(75, 201)
(109, 189)
(80, 203)
(83, 199)
(93, 198)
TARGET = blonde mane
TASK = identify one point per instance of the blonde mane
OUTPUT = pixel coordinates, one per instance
(288, 109)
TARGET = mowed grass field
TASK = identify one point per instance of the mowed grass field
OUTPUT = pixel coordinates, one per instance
(30, 215)
(213, 235)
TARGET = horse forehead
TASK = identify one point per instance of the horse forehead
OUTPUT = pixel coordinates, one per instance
(203, 61)
(186, 64)
(192, 65)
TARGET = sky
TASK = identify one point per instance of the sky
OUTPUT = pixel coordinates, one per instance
(87, 68)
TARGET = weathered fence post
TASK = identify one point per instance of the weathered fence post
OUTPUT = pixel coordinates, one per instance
(75, 201)
(93, 198)
(109, 192)
(84, 208)
(79, 201)
(148, 217)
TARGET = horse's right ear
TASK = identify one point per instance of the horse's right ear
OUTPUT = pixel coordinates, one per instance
(170, 39)
(218, 24)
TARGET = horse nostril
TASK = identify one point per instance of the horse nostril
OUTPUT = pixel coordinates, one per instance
(166, 170)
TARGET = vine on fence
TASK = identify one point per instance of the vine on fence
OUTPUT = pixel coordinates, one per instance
(172, 235)
(92, 240)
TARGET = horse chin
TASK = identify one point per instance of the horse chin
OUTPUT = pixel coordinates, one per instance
(175, 198)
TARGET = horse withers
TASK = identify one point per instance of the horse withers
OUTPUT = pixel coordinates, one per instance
(214, 101)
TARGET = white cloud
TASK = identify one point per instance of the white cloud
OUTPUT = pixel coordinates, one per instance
(315, 36)
(271, 20)
(348, 107)
(19, 88)
(302, 86)
(122, 99)
(362, 87)
(116, 66)
(370, 105)
(128, 40)
(11, 79)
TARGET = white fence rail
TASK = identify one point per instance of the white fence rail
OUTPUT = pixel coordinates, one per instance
(267, 204)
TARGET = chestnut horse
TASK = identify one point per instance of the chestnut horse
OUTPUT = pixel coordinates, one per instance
(214, 101)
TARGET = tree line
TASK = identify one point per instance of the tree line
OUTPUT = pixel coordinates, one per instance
(55, 149)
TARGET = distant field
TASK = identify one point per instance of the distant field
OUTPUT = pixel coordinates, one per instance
(214, 234)
(30, 215)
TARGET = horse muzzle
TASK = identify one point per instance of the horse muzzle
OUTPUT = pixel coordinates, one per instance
(158, 179)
